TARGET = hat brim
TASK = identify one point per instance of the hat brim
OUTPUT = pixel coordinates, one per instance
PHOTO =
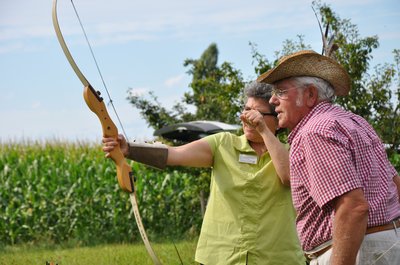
(310, 63)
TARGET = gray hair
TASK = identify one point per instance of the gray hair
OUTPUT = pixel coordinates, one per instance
(325, 89)
(257, 90)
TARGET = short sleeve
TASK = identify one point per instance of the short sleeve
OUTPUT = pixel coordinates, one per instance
(330, 166)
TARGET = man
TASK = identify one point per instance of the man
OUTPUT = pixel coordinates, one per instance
(344, 189)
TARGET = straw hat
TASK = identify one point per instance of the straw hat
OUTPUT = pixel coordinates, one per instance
(309, 63)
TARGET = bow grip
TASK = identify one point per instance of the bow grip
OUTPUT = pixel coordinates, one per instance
(96, 104)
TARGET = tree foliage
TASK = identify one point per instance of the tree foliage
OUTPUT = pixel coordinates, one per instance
(215, 94)
(374, 94)
(215, 89)
(262, 64)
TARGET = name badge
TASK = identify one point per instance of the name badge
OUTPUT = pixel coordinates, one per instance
(248, 159)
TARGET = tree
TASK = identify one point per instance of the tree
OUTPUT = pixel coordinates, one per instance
(216, 90)
(373, 96)
(374, 93)
(262, 64)
(215, 94)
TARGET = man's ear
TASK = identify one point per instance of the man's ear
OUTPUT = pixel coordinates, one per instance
(311, 96)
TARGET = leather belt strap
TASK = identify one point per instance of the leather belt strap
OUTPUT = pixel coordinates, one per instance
(379, 228)
(370, 230)
(317, 254)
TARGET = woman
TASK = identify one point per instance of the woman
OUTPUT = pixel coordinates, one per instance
(249, 217)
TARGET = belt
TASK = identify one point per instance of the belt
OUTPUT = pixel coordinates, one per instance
(379, 228)
(370, 230)
(318, 253)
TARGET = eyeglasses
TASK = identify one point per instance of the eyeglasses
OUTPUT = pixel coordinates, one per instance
(281, 94)
(262, 113)
(267, 114)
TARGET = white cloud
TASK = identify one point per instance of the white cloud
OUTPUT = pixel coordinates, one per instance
(137, 21)
(175, 80)
(125, 21)
(138, 91)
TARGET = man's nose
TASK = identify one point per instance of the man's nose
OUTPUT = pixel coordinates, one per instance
(274, 100)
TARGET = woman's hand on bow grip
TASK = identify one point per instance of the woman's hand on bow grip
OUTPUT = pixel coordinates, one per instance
(109, 143)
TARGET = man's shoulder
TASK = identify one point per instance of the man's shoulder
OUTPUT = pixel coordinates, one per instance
(328, 117)
(320, 122)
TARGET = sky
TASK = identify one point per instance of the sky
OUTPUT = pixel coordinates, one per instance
(141, 45)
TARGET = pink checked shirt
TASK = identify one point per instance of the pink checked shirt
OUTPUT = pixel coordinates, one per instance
(333, 152)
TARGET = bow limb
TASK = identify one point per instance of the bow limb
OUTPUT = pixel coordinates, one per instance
(96, 104)
(65, 48)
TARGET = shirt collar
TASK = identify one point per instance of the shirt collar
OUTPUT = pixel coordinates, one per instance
(317, 109)
(242, 144)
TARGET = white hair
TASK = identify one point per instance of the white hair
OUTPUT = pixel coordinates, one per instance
(325, 89)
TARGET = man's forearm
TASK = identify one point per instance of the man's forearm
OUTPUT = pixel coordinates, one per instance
(349, 226)
(347, 241)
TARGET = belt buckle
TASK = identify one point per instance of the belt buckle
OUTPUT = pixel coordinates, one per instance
(311, 256)
(317, 253)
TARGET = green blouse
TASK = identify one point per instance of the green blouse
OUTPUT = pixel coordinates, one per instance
(249, 218)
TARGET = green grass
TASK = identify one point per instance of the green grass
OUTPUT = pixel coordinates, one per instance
(98, 255)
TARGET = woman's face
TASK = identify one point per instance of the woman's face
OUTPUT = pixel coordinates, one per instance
(264, 108)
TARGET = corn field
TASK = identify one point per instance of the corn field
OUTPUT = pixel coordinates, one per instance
(59, 192)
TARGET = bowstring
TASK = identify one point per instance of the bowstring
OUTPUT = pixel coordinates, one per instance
(98, 70)
(105, 87)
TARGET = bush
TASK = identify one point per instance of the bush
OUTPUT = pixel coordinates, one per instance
(395, 160)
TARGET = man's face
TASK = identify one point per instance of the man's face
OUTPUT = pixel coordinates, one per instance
(289, 103)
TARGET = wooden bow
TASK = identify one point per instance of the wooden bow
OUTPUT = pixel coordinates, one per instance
(96, 104)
